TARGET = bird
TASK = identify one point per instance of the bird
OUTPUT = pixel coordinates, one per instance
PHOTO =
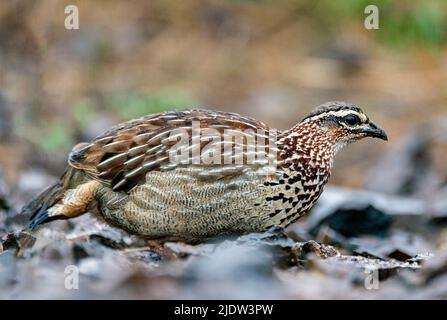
(190, 175)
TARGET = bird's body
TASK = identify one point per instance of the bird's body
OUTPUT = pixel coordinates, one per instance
(190, 175)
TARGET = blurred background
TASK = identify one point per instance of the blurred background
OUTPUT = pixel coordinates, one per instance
(272, 60)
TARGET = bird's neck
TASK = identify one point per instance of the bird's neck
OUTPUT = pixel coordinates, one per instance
(308, 147)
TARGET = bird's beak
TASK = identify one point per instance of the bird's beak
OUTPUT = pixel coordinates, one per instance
(375, 131)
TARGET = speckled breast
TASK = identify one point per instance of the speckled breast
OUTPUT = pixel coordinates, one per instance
(181, 205)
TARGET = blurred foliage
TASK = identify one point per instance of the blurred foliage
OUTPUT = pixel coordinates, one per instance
(402, 23)
(136, 104)
(82, 112)
(54, 136)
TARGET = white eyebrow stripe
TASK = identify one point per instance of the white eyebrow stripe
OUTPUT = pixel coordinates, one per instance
(339, 113)
(363, 117)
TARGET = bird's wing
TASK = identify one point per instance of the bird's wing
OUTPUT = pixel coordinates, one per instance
(122, 156)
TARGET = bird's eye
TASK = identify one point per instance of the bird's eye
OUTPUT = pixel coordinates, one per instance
(351, 119)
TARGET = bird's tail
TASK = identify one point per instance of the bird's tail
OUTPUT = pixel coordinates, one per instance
(38, 207)
(59, 201)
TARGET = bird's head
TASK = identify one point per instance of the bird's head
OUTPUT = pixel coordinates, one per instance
(343, 123)
(312, 143)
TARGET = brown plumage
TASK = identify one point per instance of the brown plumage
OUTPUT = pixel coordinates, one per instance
(193, 174)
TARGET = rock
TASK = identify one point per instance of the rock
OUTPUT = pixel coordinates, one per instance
(320, 250)
(438, 208)
(146, 256)
(356, 268)
(351, 222)
(399, 245)
(90, 228)
(274, 237)
(352, 213)
(435, 269)
(371, 263)
(231, 265)
(19, 241)
(182, 250)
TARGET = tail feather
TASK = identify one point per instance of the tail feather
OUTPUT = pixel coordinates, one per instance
(72, 196)
(38, 208)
